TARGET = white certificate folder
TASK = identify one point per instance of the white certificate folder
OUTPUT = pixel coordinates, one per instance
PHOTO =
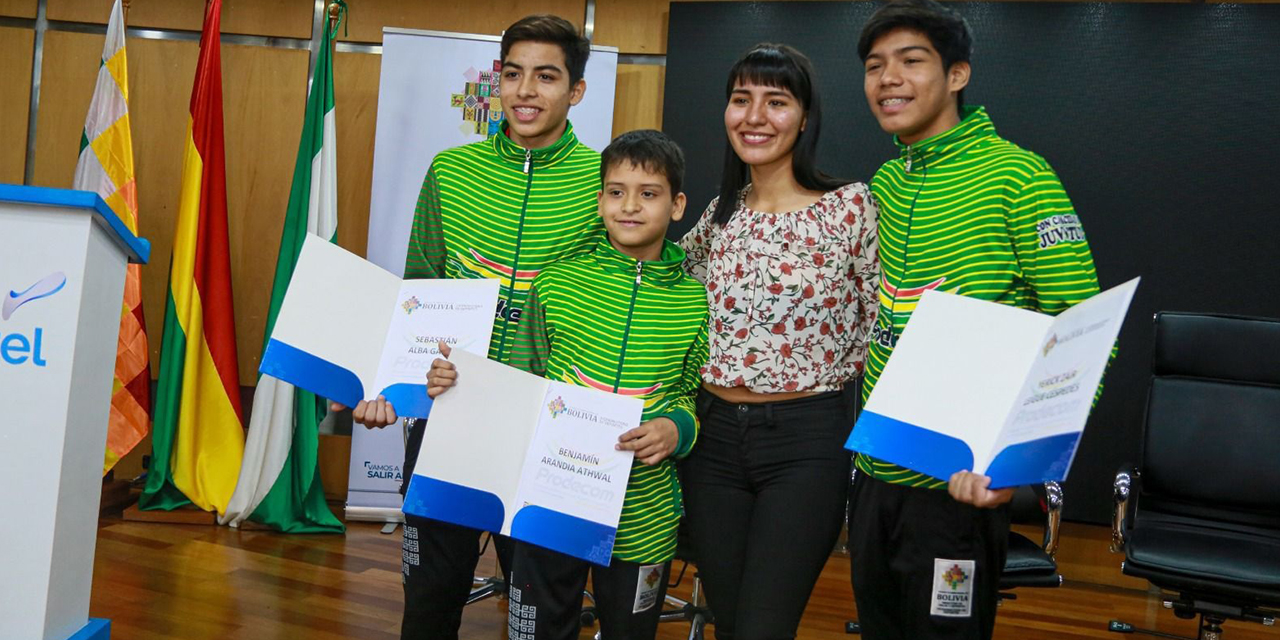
(985, 387)
(349, 331)
(509, 452)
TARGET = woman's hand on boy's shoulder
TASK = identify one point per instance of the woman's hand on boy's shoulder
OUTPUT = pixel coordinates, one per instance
(442, 374)
(653, 441)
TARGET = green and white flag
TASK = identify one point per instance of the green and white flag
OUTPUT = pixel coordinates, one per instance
(279, 483)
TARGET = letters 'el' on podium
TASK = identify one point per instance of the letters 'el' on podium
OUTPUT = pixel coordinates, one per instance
(62, 271)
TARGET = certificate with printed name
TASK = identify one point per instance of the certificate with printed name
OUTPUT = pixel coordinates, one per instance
(513, 453)
(980, 386)
(349, 331)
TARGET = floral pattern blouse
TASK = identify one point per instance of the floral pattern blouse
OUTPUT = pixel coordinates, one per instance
(792, 295)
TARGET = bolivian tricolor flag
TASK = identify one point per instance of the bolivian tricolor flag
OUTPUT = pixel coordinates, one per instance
(105, 167)
(197, 438)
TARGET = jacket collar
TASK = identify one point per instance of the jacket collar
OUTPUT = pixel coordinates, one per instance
(515, 154)
(666, 270)
(975, 126)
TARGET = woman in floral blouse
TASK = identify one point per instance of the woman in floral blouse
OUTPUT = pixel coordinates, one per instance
(789, 258)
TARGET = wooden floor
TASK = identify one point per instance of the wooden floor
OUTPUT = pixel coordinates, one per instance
(204, 582)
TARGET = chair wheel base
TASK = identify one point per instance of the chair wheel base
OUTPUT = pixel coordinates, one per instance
(1116, 626)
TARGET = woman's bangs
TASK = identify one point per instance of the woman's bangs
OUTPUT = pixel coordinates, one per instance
(768, 68)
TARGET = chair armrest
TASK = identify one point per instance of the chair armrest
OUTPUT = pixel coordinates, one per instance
(1126, 483)
(1053, 501)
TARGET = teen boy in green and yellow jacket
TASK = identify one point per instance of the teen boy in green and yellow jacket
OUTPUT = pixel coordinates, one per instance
(965, 211)
(494, 209)
(502, 208)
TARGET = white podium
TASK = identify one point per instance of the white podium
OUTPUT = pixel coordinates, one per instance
(62, 267)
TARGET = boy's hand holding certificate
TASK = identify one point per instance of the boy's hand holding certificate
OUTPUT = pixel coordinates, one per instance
(350, 331)
(513, 453)
(980, 386)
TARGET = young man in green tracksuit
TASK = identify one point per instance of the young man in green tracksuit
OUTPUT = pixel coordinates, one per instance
(965, 211)
(502, 208)
(626, 319)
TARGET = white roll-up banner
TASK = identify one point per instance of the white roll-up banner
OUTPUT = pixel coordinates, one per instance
(434, 93)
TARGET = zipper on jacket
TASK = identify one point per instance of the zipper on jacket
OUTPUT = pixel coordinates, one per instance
(515, 261)
(622, 356)
(888, 339)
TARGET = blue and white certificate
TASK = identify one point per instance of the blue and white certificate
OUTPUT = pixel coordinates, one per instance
(509, 452)
(349, 331)
(985, 387)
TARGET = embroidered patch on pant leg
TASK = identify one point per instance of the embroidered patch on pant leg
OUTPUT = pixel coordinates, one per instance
(648, 582)
(521, 618)
(952, 588)
(408, 551)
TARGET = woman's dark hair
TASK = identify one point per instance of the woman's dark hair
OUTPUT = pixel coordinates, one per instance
(781, 67)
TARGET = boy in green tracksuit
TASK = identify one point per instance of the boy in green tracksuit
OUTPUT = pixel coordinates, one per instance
(965, 211)
(502, 208)
(624, 318)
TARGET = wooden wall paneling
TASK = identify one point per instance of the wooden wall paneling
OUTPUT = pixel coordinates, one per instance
(367, 17)
(68, 74)
(18, 8)
(355, 95)
(264, 95)
(281, 18)
(633, 26)
(637, 103)
(15, 59)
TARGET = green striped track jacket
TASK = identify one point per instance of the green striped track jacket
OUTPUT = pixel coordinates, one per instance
(493, 209)
(607, 321)
(969, 212)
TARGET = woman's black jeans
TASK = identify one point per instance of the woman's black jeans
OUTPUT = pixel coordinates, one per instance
(764, 495)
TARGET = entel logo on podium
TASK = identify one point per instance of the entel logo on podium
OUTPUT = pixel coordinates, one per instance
(16, 348)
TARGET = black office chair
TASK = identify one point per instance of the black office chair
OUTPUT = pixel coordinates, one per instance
(695, 610)
(485, 587)
(1200, 519)
(1027, 564)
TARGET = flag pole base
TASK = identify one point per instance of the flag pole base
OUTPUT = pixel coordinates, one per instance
(188, 514)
